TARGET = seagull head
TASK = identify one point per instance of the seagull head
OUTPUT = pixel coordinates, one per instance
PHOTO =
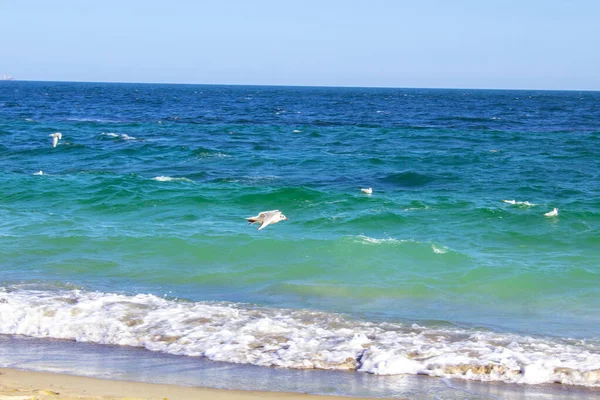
(282, 217)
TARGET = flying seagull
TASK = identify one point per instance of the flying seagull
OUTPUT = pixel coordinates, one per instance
(267, 217)
(552, 213)
(367, 190)
(55, 137)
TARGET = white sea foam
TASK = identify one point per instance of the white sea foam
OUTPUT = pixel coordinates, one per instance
(208, 154)
(417, 208)
(520, 203)
(295, 338)
(123, 136)
(170, 179)
(370, 240)
(439, 250)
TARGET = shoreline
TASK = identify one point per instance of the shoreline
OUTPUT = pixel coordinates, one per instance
(19, 384)
(30, 366)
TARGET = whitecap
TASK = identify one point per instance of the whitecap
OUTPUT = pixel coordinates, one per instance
(526, 204)
(439, 250)
(520, 203)
(417, 208)
(370, 240)
(123, 136)
(170, 179)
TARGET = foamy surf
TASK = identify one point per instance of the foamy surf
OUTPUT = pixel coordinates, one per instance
(170, 179)
(300, 339)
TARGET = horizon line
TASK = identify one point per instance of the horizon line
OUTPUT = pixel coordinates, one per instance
(304, 86)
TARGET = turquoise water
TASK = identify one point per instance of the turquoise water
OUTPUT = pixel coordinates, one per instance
(135, 231)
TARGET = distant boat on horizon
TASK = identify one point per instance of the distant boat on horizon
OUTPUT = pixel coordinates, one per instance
(5, 77)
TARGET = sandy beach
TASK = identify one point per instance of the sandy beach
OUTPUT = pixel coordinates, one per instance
(27, 385)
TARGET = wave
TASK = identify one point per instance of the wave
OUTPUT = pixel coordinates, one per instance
(520, 203)
(170, 179)
(370, 240)
(408, 179)
(302, 339)
(464, 118)
(377, 220)
(203, 152)
(101, 120)
(123, 136)
(439, 249)
(283, 195)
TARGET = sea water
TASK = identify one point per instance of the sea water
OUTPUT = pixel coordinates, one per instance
(132, 230)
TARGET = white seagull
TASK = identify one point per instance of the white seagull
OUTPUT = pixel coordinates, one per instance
(552, 213)
(367, 190)
(267, 217)
(55, 137)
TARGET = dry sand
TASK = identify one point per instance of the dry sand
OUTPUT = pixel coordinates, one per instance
(26, 385)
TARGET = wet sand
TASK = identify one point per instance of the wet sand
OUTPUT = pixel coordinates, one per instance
(26, 385)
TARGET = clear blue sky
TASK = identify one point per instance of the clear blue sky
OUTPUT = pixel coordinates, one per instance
(530, 44)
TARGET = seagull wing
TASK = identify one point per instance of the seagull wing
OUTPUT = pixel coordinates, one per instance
(270, 217)
(54, 141)
(253, 220)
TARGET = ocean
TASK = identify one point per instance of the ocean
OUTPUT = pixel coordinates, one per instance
(131, 232)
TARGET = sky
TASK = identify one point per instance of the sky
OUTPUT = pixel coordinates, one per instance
(502, 44)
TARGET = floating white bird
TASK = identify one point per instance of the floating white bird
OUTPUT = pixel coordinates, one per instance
(267, 217)
(55, 137)
(39, 173)
(510, 201)
(367, 190)
(552, 213)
